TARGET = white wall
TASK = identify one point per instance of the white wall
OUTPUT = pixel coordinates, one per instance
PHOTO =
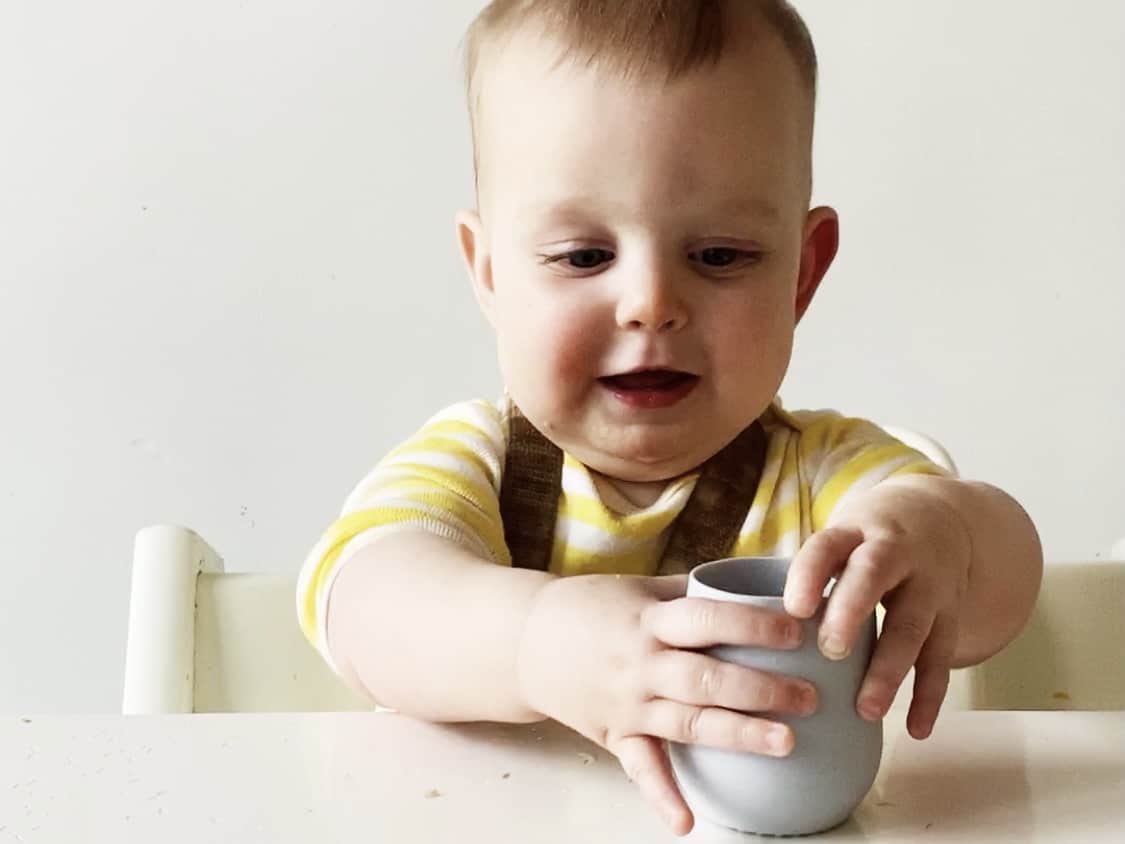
(973, 150)
(222, 224)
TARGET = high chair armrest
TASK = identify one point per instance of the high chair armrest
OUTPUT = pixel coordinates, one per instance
(167, 561)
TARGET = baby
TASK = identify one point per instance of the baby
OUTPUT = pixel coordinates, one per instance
(643, 247)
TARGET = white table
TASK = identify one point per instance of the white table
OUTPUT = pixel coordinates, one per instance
(371, 778)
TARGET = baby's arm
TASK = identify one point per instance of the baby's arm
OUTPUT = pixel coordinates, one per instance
(957, 565)
(1005, 565)
(423, 625)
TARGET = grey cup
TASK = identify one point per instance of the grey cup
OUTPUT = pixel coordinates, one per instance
(837, 752)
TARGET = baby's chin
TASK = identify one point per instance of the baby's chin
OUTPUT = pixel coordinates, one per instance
(634, 452)
(638, 460)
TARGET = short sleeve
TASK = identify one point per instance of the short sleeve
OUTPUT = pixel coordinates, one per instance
(444, 480)
(841, 456)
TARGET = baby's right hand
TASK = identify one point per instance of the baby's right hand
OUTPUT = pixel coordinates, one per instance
(604, 655)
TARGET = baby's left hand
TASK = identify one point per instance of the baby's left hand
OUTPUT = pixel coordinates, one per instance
(897, 544)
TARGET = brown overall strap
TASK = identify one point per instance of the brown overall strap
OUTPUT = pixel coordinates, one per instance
(705, 530)
(708, 526)
(529, 494)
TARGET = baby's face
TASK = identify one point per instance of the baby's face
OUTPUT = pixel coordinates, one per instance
(639, 249)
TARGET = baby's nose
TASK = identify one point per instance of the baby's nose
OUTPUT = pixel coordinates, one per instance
(651, 304)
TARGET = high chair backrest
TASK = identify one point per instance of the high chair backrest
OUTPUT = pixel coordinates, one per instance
(1071, 655)
(930, 447)
(203, 640)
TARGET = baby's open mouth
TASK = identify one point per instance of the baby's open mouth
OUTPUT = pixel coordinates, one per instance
(649, 379)
(650, 388)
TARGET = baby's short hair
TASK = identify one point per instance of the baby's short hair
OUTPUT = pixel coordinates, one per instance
(635, 38)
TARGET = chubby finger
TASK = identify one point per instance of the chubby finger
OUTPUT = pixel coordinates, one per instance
(873, 570)
(705, 681)
(646, 763)
(715, 727)
(818, 561)
(931, 676)
(905, 630)
(703, 623)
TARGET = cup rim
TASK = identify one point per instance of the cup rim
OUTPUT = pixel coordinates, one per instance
(707, 577)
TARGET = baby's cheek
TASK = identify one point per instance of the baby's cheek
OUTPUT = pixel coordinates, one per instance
(557, 330)
(548, 347)
(575, 349)
(754, 349)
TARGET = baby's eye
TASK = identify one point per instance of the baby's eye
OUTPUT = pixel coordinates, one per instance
(581, 259)
(721, 257)
(588, 259)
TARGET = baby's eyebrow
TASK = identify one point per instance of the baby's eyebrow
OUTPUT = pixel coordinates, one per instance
(538, 218)
(573, 209)
(546, 214)
(750, 206)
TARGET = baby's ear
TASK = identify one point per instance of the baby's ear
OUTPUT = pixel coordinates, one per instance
(477, 257)
(821, 239)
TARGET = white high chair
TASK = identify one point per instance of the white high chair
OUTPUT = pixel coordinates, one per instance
(1117, 552)
(202, 640)
(1071, 654)
(925, 444)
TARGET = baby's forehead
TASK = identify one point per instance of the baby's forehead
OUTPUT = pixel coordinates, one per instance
(529, 64)
(545, 110)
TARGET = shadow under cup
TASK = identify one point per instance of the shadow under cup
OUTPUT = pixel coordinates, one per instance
(836, 756)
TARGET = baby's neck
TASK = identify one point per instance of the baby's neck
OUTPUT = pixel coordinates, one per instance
(622, 495)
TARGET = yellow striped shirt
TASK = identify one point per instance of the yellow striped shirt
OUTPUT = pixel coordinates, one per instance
(446, 480)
